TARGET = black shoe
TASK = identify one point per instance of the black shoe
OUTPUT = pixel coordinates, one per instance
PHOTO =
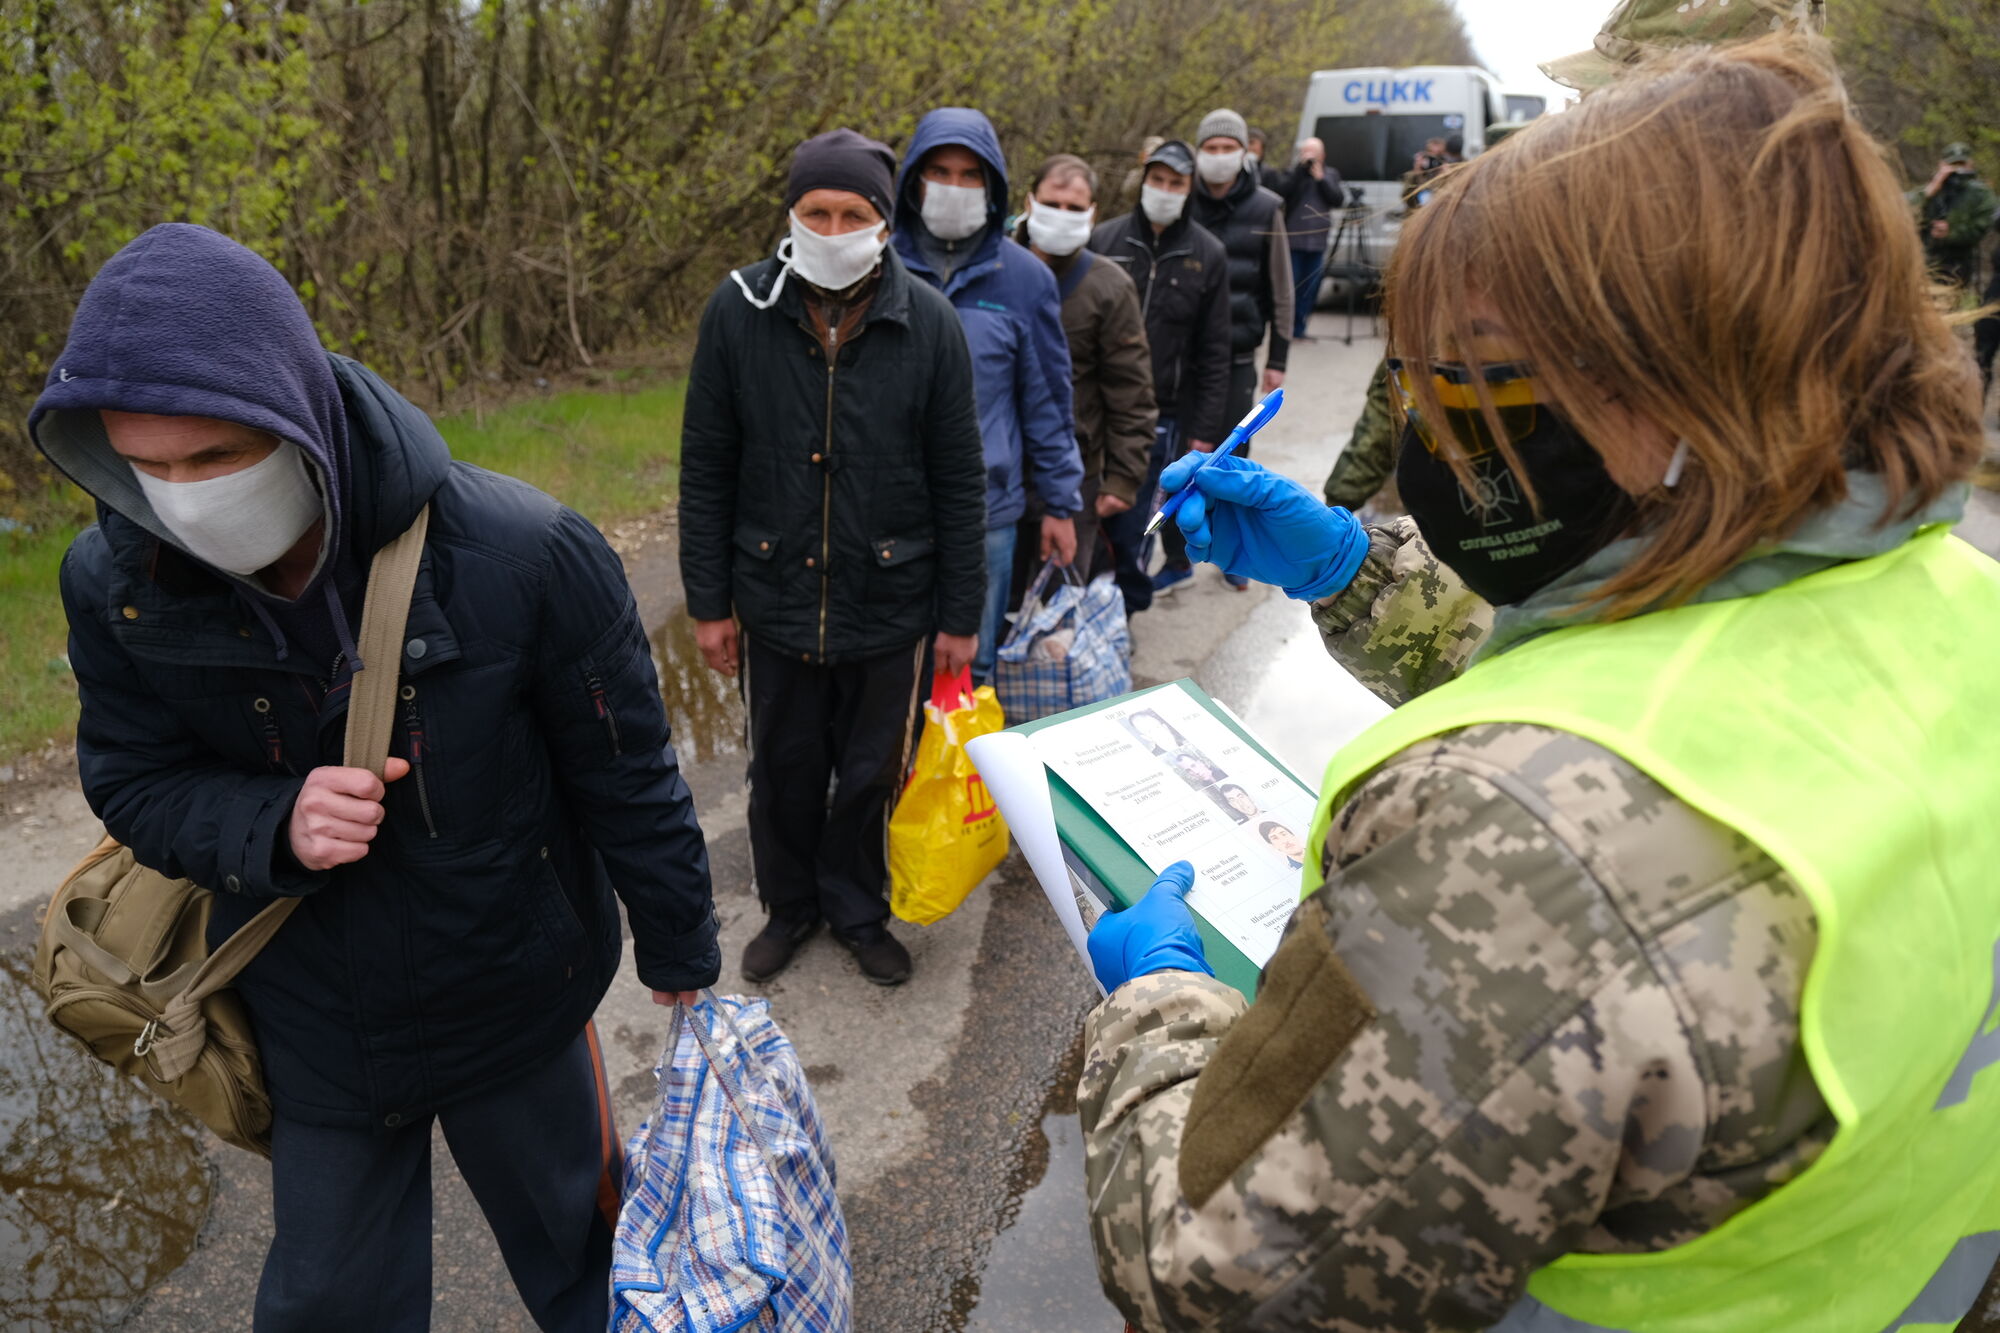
(771, 952)
(883, 961)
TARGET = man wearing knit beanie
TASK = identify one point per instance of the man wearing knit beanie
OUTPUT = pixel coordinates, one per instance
(833, 517)
(1249, 220)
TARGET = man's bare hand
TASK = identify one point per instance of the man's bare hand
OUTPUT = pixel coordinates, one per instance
(1202, 446)
(670, 998)
(1940, 229)
(337, 813)
(953, 652)
(1107, 505)
(1273, 379)
(718, 643)
(1059, 539)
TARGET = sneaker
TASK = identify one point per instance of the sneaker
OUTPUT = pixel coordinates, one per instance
(883, 960)
(1237, 581)
(772, 951)
(1171, 577)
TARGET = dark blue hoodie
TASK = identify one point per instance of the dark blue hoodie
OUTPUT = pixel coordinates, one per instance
(1012, 313)
(237, 346)
(478, 934)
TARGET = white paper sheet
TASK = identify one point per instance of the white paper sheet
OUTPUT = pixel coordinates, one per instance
(1177, 784)
(1019, 784)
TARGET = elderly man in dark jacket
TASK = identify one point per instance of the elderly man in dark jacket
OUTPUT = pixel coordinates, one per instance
(1111, 370)
(1181, 274)
(833, 519)
(457, 930)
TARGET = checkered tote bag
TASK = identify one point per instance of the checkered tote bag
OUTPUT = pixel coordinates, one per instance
(1064, 652)
(730, 1219)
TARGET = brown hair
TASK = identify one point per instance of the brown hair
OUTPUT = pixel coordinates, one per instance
(1063, 167)
(1715, 245)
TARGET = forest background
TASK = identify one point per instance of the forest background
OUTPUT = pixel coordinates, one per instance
(473, 193)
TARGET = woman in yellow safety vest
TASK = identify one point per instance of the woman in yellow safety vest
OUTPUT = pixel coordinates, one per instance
(1643, 975)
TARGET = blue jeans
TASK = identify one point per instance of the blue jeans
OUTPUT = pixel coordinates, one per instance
(1307, 268)
(999, 578)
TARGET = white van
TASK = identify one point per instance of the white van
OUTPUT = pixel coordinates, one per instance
(1374, 120)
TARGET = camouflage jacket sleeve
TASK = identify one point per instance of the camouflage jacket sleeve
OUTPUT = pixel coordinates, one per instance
(1405, 623)
(1540, 1006)
(1370, 456)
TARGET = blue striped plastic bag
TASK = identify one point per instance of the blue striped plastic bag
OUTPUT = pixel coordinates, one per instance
(730, 1218)
(1072, 649)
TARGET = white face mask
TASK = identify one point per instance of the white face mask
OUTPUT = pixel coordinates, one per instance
(244, 521)
(953, 212)
(1058, 231)
(1162, 207)
(1219, 168)
(835, 263)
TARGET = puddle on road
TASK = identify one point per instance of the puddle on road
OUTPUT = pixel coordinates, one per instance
(102, 1190)
(1305, 706)
(703, 707)
(1040, 1273)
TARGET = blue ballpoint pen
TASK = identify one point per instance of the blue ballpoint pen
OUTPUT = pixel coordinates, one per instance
(1260, 416)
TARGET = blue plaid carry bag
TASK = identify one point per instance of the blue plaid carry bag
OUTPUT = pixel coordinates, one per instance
(730, 1219)
(1069, 650)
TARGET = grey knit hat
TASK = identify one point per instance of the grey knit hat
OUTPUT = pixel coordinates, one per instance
(1222, 123)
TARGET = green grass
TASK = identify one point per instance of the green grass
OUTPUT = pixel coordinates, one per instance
(611, 454)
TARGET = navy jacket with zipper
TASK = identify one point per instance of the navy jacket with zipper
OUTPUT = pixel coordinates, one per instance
(1183, 279)
(480, 931)
(831, 499)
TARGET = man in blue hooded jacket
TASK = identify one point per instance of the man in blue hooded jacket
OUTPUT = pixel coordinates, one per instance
(458, 928)
(951, 214)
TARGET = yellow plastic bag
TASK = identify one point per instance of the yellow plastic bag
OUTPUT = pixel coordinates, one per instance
(946, 834)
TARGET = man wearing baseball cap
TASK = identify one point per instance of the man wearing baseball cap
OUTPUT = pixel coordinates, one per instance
(1181, 272)
(1955, 209)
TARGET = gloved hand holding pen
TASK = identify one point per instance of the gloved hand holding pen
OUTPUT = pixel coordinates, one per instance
(1254, 523)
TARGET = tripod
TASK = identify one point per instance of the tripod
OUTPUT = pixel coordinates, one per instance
(1353, 266)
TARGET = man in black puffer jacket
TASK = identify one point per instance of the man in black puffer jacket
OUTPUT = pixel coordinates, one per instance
(833, 505)
(1249, 220)
(457, 930)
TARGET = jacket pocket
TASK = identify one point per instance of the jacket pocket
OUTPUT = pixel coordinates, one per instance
(560, 927)
(903, 568)
(758, 543)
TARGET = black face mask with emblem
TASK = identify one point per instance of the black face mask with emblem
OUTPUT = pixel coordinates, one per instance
(1495, 541)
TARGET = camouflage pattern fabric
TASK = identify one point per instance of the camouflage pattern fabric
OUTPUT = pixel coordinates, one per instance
(1586, 1038)
(1405, 623)
(1638, 28)
(1369, 460)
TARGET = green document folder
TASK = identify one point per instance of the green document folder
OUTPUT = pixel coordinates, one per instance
(1104, 864)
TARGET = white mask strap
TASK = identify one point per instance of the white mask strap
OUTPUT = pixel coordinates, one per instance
(1676, 465)
(784, 270)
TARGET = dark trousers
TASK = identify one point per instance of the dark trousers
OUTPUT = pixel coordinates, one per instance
(352, 1248)
(1308, 266)
(817, 856)
(1028, 560)
(1129, 547)
(1242, 397)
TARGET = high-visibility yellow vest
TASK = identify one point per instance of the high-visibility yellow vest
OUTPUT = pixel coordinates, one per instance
(1844, 723)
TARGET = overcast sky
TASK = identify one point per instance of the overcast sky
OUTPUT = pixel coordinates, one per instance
(1513, 36)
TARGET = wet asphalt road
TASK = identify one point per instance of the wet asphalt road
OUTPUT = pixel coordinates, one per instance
(949, 1101)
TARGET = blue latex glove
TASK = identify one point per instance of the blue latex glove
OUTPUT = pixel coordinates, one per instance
(1256, 524)
(1155, 934)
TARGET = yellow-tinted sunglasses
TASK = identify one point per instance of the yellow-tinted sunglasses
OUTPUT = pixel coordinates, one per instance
(1509, 382)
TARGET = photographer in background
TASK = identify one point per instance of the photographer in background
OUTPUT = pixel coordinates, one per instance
(1313, 193)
